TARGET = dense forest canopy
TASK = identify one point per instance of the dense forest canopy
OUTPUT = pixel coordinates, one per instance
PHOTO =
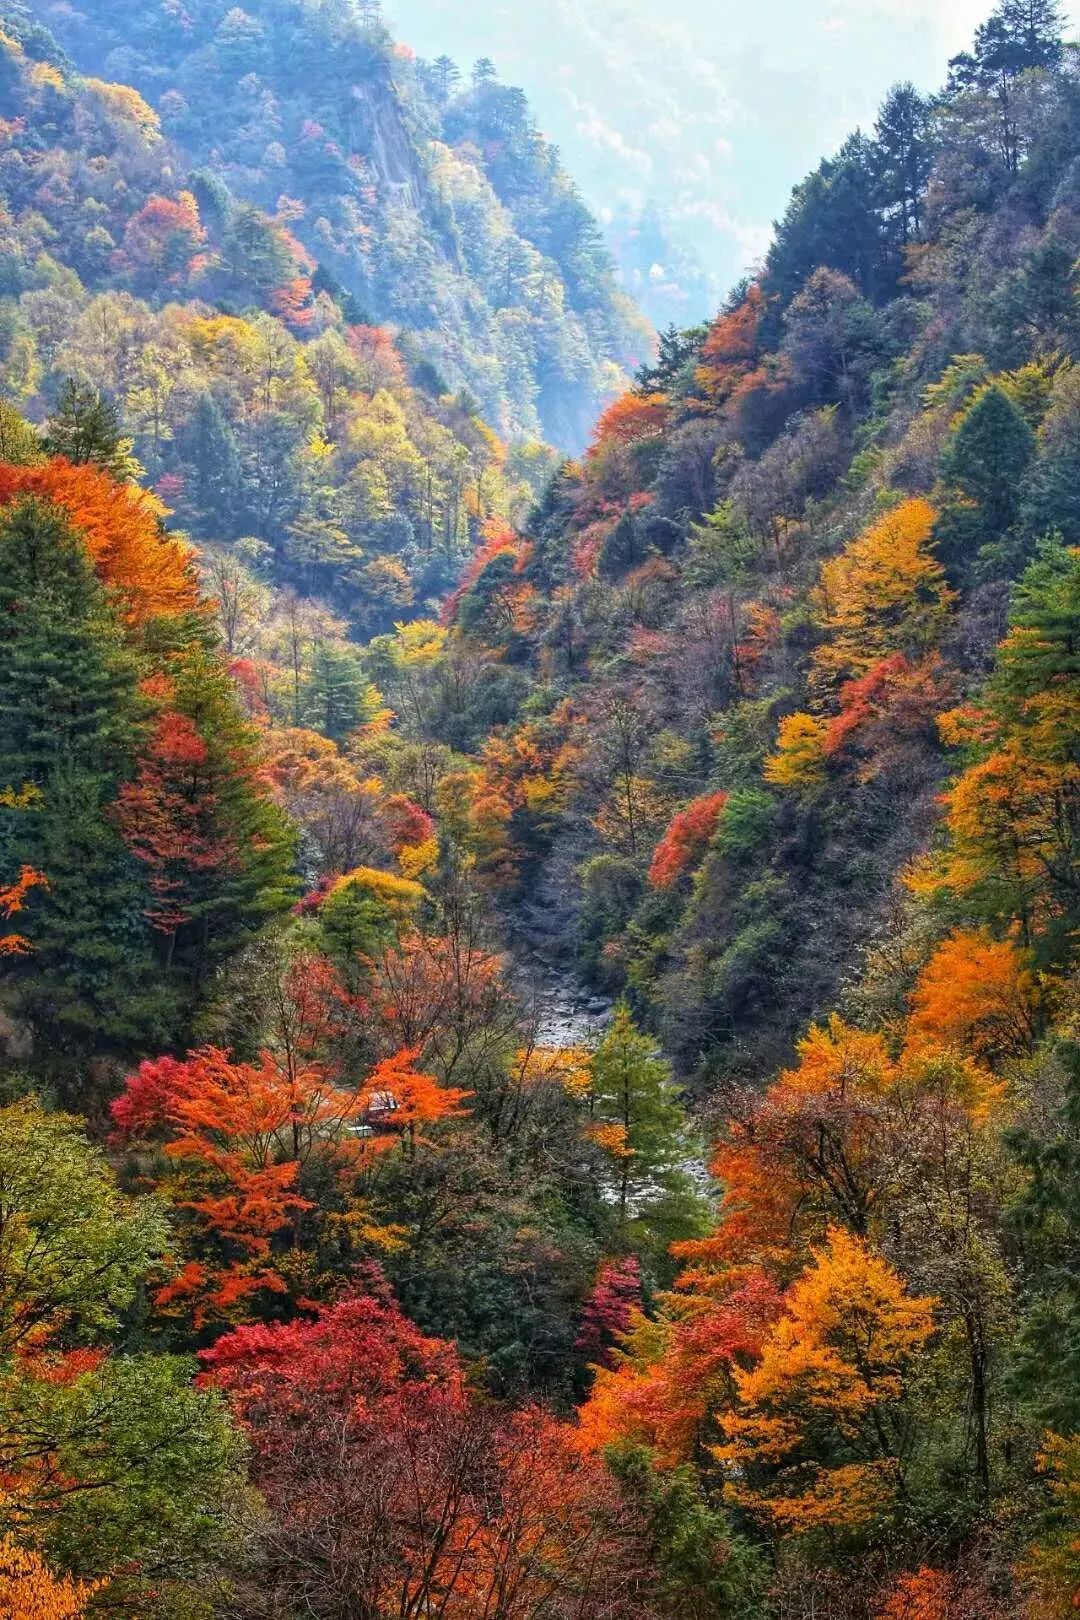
(430, 198)
(340, 715)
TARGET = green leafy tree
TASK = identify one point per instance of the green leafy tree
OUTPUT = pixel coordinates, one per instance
(20, 443)
(1047, 1355)
(706, 1571)
(112, 1460)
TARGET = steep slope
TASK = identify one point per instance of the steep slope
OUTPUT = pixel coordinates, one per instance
(440, 210)
(262, 407)
(787, 550)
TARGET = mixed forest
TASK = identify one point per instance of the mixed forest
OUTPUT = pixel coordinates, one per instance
(352, 685)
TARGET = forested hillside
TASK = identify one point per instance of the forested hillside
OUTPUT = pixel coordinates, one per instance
(337, 1279)
(432, 199)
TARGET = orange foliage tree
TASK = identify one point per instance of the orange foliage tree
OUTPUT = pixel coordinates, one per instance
(237, 1138)
(631, 418)
(121, 526)
(29, 1590)
(976, 994)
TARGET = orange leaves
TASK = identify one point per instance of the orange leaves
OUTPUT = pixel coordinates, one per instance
(611, 1138)
(380, 363)
(238, 1136)
(403, 1485)
(686, 840)
(292, 303)
(405, 1101)
(165, 237)
(669, 1378)
(976, 994)
(12, 901)
(29, 1590)
(630, 419)
(151, 573)
(837, 1357)
(930, 1594)
(730, 351)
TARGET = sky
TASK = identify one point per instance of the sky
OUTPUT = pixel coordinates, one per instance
(711, 108)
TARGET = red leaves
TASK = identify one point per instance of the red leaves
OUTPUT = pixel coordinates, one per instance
(406, 823)
(616, 1294)
(389, 1483)
(686, 840)
(896, 703)
(167, 819)
(292, 303)
(360, 1350)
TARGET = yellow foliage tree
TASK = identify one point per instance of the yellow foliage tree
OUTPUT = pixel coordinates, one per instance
(884, 593)
(799, 761)
(29, 1591)
(834, 1365)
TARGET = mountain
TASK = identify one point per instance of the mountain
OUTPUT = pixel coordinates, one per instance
(908, 345)
(264, 403)
(438, 207)
(539, 1073)
(707, 112)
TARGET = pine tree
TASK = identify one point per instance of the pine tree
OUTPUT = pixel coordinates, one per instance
(69, 724)
(983, 467)
(86, 428)
(209, 447)
(905, 156)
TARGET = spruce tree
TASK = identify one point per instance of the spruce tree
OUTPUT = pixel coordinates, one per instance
(70, 720)
(231, 899)
(214, 472)
(982, 469)
(334, 693)
(85, 428)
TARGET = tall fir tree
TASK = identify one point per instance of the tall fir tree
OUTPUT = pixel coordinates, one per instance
(70, 721)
